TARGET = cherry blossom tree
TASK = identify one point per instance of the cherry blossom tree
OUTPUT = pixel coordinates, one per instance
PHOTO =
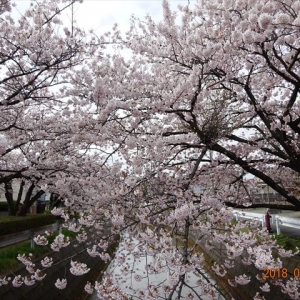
(224, 81)
(29, 194)
(38, 120)
(202, 102)
(208, 96)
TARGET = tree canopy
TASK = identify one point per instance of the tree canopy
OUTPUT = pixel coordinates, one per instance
(160, 142)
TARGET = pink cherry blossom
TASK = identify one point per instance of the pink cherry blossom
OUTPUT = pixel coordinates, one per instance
(61, 283)
(38, 275)
(40, 240)
(17, 281)
(89, 288)
(155, 146)
(29, 280)
(4, 280)
(47, 262)
(242, 279)
(78, 268)
(265, 287)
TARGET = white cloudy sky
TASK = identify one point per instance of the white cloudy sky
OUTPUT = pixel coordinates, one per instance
(101, 15)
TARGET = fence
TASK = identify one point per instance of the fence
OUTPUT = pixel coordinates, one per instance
(277, 220)
(14, 238)
(288, 222)
(249, 215)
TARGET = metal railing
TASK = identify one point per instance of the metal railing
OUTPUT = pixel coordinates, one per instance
(276, 220)
(25, 235)
(249, 215)
(288, 222)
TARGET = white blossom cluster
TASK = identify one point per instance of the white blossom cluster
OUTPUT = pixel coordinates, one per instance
(78, 268)
(4, 280)
(108, 290)
(27, 280)
(40, 240)
(59, 242)
(47, 262)
(61, 283)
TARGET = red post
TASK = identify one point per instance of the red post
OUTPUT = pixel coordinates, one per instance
(268, 221)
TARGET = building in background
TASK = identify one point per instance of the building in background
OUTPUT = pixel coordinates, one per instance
(266, 195)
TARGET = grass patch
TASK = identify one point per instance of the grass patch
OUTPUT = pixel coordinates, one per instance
(234, 222)
(8, 255)
(287, 242)
(71, 234)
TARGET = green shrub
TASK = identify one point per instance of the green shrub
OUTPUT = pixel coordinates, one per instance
(3, 206)
(12, 224)
(288, 242)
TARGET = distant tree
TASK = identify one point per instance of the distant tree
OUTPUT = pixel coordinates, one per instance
(38, 56)
(17, 206)
(38, 117)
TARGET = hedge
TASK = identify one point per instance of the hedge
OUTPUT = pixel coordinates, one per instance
(13, 224)
(3, 206)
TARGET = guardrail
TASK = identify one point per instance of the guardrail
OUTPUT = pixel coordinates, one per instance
(276, 220)
(288, 222)
(249, 215)
(14, 238)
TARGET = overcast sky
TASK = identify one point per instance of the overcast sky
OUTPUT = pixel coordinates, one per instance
(101, 15)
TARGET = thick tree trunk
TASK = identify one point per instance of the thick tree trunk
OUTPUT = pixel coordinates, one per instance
(29, 200)
(21, 189)
(9, 198)
(55, 200)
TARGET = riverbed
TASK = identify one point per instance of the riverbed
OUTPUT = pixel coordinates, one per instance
(136, 270)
